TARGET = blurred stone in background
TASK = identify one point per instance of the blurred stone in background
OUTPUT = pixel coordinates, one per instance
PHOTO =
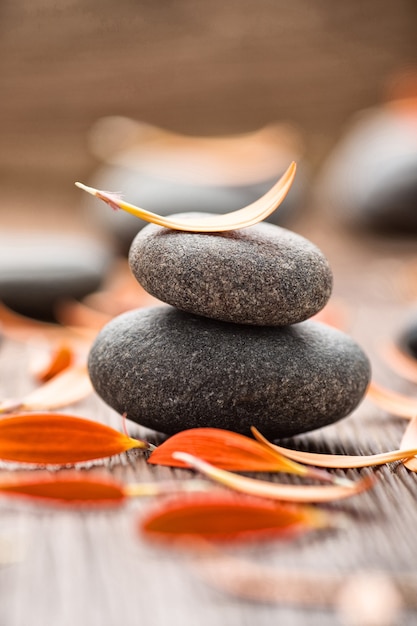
(194, 68)
(370, 178)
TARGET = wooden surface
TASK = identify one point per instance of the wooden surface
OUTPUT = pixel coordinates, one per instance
(231, 67)
(94, 568)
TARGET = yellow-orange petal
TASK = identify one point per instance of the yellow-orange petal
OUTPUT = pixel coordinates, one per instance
(276, 491)
(65, 489)
(227, 517)
(344, 461)
(231, 451)
(54, 439)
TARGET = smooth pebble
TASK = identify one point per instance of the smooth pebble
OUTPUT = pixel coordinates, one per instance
(170, 371)
(262, 275)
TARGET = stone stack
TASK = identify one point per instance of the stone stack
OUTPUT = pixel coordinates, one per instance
(233, 349)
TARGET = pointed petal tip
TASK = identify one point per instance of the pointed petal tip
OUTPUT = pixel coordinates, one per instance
(89, 190)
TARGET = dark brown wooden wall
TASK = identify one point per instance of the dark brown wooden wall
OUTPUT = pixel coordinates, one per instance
(193, 66)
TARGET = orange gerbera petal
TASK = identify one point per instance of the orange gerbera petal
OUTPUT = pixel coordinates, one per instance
(227, 517)
(50, 438)
(231, 451)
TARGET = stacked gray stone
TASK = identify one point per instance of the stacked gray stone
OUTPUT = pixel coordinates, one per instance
(233, 348)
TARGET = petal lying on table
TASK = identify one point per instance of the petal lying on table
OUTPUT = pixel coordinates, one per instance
(228, 517)
(70, 386)
(63, 488)
(276, 491)
(53, 439)
(75, 489)
(391, 401)
(231, 451)
(340, 461)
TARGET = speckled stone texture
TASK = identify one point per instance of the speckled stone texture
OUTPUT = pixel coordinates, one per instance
(170, 371)
(262, 275)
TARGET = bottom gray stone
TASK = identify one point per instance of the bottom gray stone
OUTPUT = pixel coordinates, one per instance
(170, 371)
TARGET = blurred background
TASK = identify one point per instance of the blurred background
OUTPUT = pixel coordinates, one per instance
(202, 68)
(338, 79)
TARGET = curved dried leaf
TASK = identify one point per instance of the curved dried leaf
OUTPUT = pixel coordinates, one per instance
(60, 359)
(401, 363)
(66, 489)
(230, 451)
(392, 402)
(340, 461)
(225, 517)
(276, 491)
(70, 386)
(50, 438)
(242, 218)
(408, 440)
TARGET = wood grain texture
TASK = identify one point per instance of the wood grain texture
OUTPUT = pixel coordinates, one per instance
(94, 568)
(230, 67)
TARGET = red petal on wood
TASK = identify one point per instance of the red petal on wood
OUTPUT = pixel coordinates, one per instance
(231, 451)
(66, 489)
(224, 449)
(50, 438)
(225, 517)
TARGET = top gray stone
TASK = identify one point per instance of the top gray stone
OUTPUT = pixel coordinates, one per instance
(263, 275)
